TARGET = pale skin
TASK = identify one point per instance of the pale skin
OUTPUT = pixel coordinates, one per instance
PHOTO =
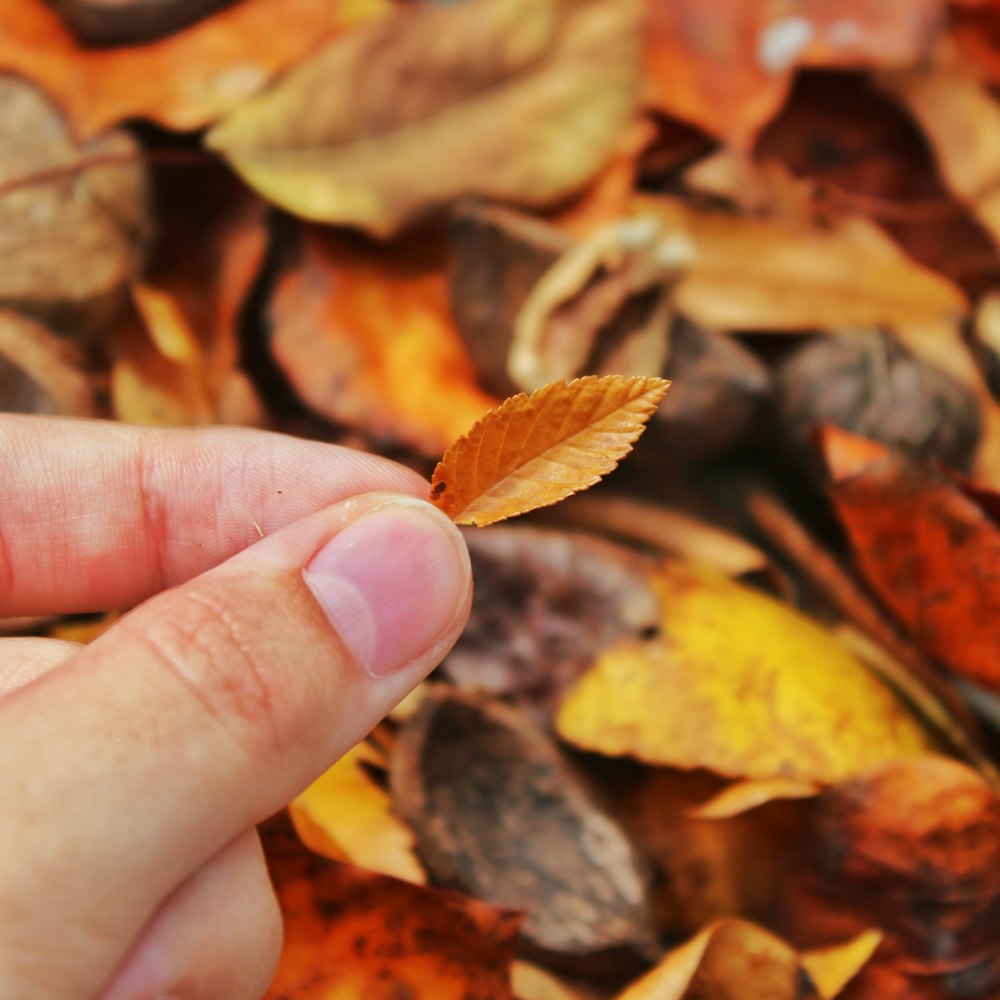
(133, 770)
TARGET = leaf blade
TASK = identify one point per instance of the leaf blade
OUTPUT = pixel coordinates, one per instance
(513, 100)
(534, 450)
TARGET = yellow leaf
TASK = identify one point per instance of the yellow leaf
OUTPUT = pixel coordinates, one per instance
(520, 100)
(534, 450)
(169, 329)
(346, 816)
(729, 958)
(740, 684)
(831, 969)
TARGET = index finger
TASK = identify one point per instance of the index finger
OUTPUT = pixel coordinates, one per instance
(97, 515)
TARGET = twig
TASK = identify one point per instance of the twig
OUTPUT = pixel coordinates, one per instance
(64, 171)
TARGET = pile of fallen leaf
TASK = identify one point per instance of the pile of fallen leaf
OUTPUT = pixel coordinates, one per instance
(724, 726)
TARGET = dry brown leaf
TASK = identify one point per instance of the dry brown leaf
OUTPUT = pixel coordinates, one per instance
(499, 813)
(704, 869)
(521, 100)
(71, 235)
(776, 274)
(534, 450)
(870, 383)
(543, 604)
(176, 356)
(574, 302)
(40, 372)
(961, 117)
(943, 344)
(184, 81)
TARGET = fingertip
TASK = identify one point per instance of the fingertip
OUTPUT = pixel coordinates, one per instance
(393, 584)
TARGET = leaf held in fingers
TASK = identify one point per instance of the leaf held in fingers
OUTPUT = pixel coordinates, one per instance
(535, 450)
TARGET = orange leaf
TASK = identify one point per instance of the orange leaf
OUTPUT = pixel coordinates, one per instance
(183, 81)
(534, 450)
(366, 339)
(729, 72)
(350, 934)
(928, 548)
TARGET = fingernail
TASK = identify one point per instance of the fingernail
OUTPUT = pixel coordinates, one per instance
(392, 583)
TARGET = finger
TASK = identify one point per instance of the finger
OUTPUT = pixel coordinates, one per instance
(218, 937)
(98, 515)
(25, 658)
(203, 712)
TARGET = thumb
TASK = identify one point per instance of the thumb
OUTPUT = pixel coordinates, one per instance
(201, 713)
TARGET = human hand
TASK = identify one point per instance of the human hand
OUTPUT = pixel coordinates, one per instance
(133, 770)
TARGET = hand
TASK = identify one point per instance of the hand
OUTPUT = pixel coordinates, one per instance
(133, 770)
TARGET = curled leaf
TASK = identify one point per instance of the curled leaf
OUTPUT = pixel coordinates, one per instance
(533, 451)
(520, 100)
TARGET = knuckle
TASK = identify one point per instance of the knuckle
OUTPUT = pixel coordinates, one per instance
(221, 662)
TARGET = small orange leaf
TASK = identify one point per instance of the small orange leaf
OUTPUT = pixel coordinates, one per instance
(534, 450)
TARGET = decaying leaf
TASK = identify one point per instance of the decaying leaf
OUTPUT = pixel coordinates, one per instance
(357, 935)
(750, 273)
(543, 603)
(184, 81)
(872, 384)
(740, 684)
(719, 396)
(704, 869)
(559, 327)
(498, 813)
(911, 846)
(926, 546)
(71, 236)
(535, 450)
(534, 306)
(520, 100)
(367, 341)
(961, 117)
(498, 255)
(346, 816)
